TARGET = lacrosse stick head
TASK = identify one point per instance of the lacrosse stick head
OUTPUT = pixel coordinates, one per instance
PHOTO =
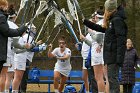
(22, 4)
(67, 15)
(78, 8)
(42, 7)
(71, 9)
(46, 12)
(54, 4)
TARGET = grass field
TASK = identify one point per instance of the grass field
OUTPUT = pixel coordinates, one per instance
(34, 88)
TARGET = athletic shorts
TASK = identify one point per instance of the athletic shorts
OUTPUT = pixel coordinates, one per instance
(63, 71)
(96, 58)
(20, 61)
(20, 65)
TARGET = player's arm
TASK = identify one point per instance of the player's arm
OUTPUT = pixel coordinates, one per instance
(50, 53)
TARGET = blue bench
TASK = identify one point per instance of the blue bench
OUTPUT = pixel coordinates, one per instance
(75, 78)
(137, 75)
(136, 88)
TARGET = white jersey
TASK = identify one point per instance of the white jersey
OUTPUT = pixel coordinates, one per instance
(63, 66)
(85, 47)
(97, 58)
(21, 57)
(10, 52)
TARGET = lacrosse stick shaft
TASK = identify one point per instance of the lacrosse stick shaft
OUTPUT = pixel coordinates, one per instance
(42, 7)
(69, 27)
(38, 30)
(17, 14)
(56, 35)
(41, 29)
(49, 36)
(50, 13)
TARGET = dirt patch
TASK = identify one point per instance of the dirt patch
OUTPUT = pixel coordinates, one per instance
(34, 88)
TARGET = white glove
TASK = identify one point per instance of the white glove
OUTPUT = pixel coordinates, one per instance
(42, 47)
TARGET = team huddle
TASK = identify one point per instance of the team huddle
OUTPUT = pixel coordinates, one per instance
(103, 50)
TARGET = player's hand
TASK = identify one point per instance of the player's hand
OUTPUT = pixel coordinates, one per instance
(82, 37)
(27, 46)
(39, 42)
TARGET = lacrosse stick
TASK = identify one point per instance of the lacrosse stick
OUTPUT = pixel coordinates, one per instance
(56, 35)
(57, 19)
(50, 13)
(42, 7)
(78, 8)
(38, 29)
(49, 37)
(68, 25)
(47, 14)
(65, 21)
(71, 9)
(22, 4)
(77, 18)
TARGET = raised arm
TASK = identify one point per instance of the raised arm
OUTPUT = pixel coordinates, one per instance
(83, 38)
(94, 26)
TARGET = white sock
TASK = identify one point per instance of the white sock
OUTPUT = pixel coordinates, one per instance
(87, 91)
(56, 91)
(6, 91)
(14, 91)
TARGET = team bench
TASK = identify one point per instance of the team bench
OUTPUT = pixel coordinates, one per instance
(46, 77)
(136, 88)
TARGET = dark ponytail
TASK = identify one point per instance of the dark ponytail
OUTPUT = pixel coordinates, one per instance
(11, 10)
